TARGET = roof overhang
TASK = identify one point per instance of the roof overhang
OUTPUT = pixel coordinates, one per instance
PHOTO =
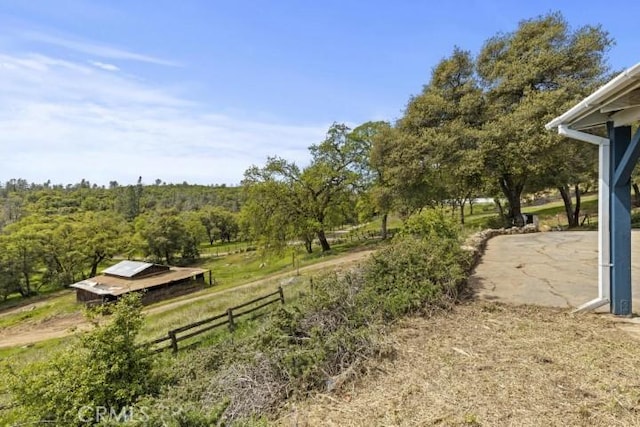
(617, 101)
(115, 285)
(93, 287)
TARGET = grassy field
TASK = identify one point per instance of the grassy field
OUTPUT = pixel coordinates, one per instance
(60, 304)
(239, 266)
(229, 272)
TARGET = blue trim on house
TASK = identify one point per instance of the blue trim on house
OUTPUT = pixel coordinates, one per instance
(624, 155)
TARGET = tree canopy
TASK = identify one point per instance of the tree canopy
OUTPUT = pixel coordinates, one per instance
(478, 125)
(311, 199)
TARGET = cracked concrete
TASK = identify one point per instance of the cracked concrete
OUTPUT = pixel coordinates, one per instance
(555, 269)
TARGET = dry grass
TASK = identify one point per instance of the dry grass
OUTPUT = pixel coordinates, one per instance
(252, 388)
(493, 365)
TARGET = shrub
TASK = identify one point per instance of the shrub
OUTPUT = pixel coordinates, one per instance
(106, 370)
(414, 275)
(321, 335)
(431, 222)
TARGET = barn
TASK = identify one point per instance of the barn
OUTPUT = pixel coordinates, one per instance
(154, 281)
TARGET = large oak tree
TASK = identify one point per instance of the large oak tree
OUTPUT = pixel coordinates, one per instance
(530, 76)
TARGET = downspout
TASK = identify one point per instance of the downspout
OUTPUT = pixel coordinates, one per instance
(604, 229)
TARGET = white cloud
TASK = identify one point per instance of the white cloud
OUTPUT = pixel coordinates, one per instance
(94, 49)
(104, 66)
(66, 121)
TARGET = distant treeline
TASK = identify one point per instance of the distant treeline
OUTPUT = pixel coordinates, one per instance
(53, 236)
(18, 197)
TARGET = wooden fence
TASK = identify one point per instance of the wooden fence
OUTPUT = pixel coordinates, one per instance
(229, 317)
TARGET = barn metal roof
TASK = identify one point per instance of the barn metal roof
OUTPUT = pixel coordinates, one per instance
(113, 285)
(127, 268)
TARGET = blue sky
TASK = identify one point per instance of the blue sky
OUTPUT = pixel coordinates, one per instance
(198, 91)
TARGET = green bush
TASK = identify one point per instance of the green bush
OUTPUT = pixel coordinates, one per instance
(323, 334)
(414, 275)
(107, 370)
(431, 222)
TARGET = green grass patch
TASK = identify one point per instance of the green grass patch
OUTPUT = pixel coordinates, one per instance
(550, 214)
(240, 268)
(34, 352)
(588, 203)
(393, 222)
(40, 310)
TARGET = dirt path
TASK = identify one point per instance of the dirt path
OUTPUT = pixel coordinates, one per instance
(27, 306)
(28, 333)
(492, 364)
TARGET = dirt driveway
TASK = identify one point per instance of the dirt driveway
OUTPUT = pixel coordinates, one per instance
(553, 269)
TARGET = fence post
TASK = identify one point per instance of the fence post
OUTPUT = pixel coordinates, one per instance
(281, 292)
(174, 342)
(230, 315)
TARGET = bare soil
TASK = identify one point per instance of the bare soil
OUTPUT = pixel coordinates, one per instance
(29, 332)
(493, 364)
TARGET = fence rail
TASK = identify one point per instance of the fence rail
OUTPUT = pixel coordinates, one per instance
(174, 336)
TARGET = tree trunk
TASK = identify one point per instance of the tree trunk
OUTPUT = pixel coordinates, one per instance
(576, 212)
(323, 241)
(25, 274)
(565, 193)
(470, 205)
(383, 228)
(636, 194)
(97, 259)
(308, 245)
(94, 269)
(512, 191)
(499, 205)
(27, 289)
(462, 204)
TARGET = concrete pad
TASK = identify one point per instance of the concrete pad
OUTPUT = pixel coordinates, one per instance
(556, 269)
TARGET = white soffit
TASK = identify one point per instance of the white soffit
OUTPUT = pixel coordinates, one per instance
(618, 101)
